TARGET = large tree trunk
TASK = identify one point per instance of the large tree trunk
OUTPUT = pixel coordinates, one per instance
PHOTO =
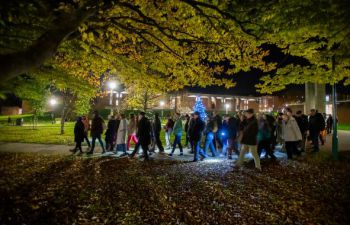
(14, 64)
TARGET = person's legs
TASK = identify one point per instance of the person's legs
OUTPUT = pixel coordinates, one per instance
(87, 140)
(75, 148)
(289, 149)
(295, 148)
(123, 147)
(269, 149)
(302, 143)
(241, 155)
(145, 151)
(108, 145)
(321, 138)
(236, 147)
(212, 149)
(254, 151)
(179, 143)
(230, 147)
(92, 144)
(101, 143)
(174, 145)
(134, 139)
(136, 149)
(208, 141)
(314, 138)
(159, 143)
(78, 147)
(195, 146)
(260, 148)
(200, 150)
(187, 140)
(128, 141)
(167, 139)
(224, 146)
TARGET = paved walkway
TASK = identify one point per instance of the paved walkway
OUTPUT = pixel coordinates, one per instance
(344, 141)
(344, 145)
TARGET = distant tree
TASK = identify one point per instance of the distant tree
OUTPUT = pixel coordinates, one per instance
(199, 107)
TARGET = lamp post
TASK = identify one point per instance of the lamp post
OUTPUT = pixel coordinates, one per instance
(227, 106)
(53, 102)
(162, 103)
(112, 85)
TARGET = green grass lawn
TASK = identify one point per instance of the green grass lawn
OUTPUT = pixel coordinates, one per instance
(344, 126)
(44, 133)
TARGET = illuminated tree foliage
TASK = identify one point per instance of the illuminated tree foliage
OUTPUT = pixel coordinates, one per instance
(318, 31)
(172, 40)
(183, 42)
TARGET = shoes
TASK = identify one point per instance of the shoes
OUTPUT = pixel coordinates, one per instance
(181, 154)
(170, 154)
(90, 153)
(195, 160)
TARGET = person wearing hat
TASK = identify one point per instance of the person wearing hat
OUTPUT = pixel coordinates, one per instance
(249, 139)
(195, 134)
(143, 135)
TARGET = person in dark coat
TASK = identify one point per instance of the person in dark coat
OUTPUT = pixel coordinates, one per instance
(187, 123)
(97, 125)
(249, 139)
(329, 123)
(316, 125)
(111, 133)
(209, 137)
(195, 134)
(190, 127)
(143, 135)
(303, 125)
(78, 135)
(264, 137)
(219, 123)
(232, 132)
(157, 127)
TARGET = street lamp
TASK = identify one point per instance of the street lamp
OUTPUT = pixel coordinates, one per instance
(53, 102)
(112, 85)
(162, 103)
(227, 106)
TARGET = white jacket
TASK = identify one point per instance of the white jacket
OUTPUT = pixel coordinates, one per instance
(291, 131)
(122, 130)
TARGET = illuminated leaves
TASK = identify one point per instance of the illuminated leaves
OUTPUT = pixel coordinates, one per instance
(121, 191)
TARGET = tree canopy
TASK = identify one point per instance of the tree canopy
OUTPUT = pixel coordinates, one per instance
(175, 43)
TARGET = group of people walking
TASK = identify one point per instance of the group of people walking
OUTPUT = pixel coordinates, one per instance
(222, 136)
